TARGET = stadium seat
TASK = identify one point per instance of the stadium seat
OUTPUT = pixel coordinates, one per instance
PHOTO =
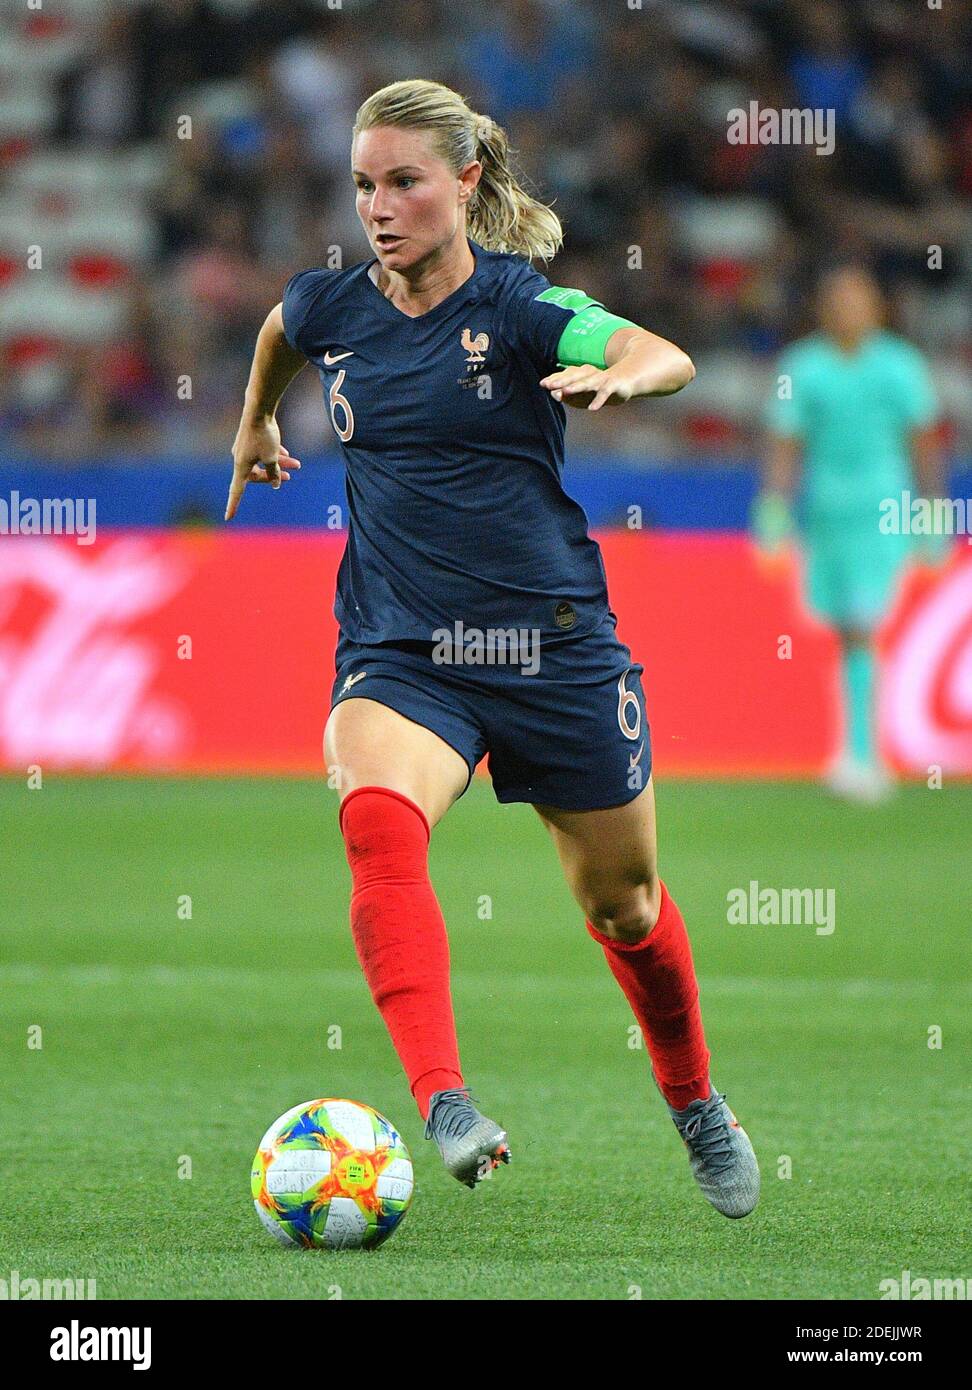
(728, 386)
(716, 228)
(88, 174)
(27, 349)
(65, 228)
(36, 58)
(26, 112)
(97, 270)
(51, 306)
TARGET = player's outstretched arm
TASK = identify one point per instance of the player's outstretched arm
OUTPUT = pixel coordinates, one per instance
(637, 363)
(257, 451)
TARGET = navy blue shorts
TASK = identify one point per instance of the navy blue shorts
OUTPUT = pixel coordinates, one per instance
(573, 733)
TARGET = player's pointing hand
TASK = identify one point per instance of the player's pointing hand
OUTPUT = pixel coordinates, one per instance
(589, 387)
(258, 457)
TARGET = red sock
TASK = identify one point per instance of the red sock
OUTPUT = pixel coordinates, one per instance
(400, 935)
(658, 980)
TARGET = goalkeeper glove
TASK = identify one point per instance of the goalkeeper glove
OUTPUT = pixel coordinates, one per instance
(772, 520)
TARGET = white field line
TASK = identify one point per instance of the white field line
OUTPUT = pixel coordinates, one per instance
(104, 974)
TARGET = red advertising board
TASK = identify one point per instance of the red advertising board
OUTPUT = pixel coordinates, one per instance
(213, 651)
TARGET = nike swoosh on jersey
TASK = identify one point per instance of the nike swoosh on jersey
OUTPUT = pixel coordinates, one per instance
(331, 357)
(352, 680)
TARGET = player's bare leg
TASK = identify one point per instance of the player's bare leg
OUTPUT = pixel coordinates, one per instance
(857, 773)
(367, 744)
(397, 779)
(610, 861)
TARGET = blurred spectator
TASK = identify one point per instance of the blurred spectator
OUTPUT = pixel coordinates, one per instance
(523, 52)
(181, 42)
(825, 70)
(99, 99)
(316, 78)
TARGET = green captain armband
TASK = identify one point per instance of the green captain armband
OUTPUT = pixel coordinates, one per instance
(586, 335)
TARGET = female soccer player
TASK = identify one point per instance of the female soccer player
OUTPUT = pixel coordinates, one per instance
(472, 603)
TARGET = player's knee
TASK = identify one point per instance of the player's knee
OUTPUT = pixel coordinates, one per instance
(386, 835)
(626, 915)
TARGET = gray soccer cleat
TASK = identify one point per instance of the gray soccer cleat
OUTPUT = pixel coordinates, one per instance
(721, 1156)
(471, 1145)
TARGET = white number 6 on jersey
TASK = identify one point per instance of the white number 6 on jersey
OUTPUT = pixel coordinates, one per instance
(335, 398)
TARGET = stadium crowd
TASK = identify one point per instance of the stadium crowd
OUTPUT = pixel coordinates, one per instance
(140, 252)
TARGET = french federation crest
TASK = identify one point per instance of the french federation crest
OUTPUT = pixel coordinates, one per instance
(476, 348)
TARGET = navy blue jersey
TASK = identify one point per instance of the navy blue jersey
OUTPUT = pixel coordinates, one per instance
(454, 455)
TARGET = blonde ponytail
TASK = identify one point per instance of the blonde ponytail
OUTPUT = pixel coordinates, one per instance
(502, 216)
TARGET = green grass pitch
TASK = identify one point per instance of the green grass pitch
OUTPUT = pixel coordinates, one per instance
(164, 1037)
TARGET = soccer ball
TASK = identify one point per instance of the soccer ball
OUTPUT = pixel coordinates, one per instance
(332, 1175)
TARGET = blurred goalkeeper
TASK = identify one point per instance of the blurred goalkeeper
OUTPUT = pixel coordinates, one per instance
(851, 424)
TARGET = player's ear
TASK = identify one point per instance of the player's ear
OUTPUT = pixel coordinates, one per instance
(469, 180)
